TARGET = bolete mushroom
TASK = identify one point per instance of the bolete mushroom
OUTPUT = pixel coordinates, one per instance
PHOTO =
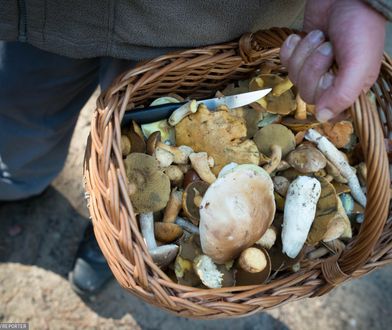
(334, 155)
(135, 135)
(299, 212)
(306, 159)
(281, 100)
(149, 186)
(253, 266)
(274, 141)
(190, 204)
(162, 255)
(235, 212)
(180, 154)
(220, 134)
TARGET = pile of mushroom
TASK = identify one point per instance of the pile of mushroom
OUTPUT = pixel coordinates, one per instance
(231, 197)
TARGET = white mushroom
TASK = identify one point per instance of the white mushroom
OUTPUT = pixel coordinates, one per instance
(162, 255)
(334, 155)
(299, 213)
(200, 164)
(183, 111)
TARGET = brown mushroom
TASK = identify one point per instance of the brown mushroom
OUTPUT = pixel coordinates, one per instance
(135, 135)
(173, 206)
(150, 187)
(281, 100)
(306, 159)
(338, 133)
(189, 177)
(235, 212)
(125, 145)
(180, 154)
(218, 133)
(274, 141)
(191, 210)
(253, 266)
(166, 232)
(300, 125)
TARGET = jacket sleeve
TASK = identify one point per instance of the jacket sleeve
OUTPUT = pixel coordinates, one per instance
(384, 7)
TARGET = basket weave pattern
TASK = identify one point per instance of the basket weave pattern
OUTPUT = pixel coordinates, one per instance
(199, 73)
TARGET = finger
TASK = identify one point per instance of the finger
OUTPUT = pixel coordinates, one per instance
(312, 71)
(288, 48)
(306, 46)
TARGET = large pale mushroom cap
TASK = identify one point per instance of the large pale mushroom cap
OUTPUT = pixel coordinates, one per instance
(235, 212)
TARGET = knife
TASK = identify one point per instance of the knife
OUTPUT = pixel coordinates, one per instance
(159, 112)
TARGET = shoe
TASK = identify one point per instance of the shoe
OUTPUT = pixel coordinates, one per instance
(90, 271)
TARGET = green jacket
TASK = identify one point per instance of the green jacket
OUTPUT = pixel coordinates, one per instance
(138, 29)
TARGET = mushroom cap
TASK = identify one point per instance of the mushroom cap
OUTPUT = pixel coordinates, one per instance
(135, 135)
(219, 133)
(282, 104)
(235, 212)
(188, 200)
(152, 186)
(152, 142)
(245, 276)
(274, 134)
(297, 125)
(306, 159)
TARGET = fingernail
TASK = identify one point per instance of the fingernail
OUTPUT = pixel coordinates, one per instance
(324, 115)
(316, 36)
(292, 41)
(325, 49)
(326, 80)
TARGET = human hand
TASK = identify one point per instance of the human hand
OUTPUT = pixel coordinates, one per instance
(356, 36)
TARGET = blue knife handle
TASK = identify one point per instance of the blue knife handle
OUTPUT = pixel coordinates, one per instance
(150, 114)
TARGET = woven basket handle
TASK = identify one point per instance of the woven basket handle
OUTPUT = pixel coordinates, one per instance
(368, 128)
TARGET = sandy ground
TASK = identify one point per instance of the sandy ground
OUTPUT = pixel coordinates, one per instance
(39, 238)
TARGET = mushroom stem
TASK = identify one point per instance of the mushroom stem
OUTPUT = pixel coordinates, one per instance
(173, 206)
(200, 164)
(299, 211)
(334, 155)
(276, 157)
(147, 228)
(282, 87)
(161, 255)
(181, 153)
(183, 111)
(186, 225)
(300, 113)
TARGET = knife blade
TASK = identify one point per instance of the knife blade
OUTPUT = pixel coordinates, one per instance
(159, 112)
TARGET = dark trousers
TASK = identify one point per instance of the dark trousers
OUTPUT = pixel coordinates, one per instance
(41, 95)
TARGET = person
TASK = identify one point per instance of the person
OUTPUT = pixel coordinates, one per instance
(54, 53)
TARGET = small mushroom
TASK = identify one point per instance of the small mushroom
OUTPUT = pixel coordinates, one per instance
(253, 266)
(306, 159)
(150, 187)
(300, 112)
(274, 141)
(300, 125)
(175, 175)
(135, 135)
(173, 206)
(181, 153)
(189, 177)
(336, 158)
(208, 272)
(200, 164)
(235, 212)
(167, 232)
(191, 210)
(162, 255)
(268, 240)
(339, 133)
(299, 212)
(183, 111)
(167, 132)
(281, 100)
(125, 145)
(281, 184)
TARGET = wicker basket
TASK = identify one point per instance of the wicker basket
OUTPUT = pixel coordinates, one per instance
(199, 73)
